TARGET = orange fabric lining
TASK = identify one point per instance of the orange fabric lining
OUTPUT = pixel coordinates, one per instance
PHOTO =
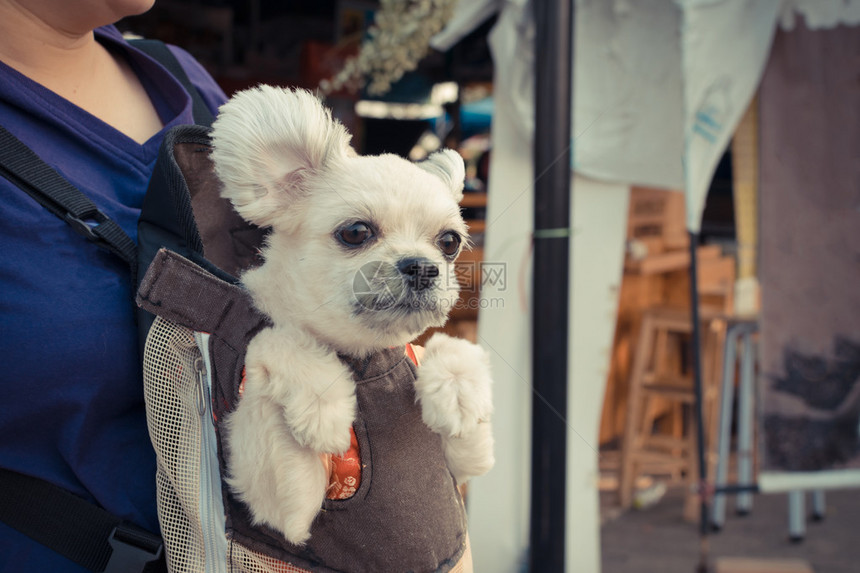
(345, 471)
(410, 352)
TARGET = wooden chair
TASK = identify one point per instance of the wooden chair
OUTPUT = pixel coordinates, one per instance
(659, 436)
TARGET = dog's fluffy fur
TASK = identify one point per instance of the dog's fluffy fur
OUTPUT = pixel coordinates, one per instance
(286, 164)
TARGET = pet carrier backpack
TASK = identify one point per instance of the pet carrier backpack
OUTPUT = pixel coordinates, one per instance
(192, 245)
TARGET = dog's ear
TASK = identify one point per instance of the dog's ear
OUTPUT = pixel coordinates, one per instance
(447, 165)
(265, 142)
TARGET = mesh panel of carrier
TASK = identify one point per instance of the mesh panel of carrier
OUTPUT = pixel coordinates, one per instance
(172, 393)
(176, 413)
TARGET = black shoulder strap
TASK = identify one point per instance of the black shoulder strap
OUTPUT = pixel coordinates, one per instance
(77, 529)
(159, 51)
(24, 168)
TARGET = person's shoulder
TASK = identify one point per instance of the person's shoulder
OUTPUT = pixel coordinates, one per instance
(209, 89)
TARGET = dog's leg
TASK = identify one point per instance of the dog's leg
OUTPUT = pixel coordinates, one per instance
(312, 386)
(470, 454)
(298, 402)
(282, 483)
(454, 390)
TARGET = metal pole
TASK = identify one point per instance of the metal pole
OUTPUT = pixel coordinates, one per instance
(552, 154)
(700, 410)
(746, 423)
(727, 394)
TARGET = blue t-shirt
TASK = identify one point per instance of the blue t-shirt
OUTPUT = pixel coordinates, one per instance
(73, 410)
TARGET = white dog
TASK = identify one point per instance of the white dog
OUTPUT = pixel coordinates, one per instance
(335, 217)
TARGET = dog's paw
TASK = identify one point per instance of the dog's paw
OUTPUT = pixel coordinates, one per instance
(454, 386)
(314, 390)
(320, 415)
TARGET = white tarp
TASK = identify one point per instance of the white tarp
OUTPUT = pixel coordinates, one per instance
(660, 85)
(627, 99)
(724, 46)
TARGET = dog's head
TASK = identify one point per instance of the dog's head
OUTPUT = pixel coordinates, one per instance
(362, 249)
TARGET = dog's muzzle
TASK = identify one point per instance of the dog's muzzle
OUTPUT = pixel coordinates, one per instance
(418, 273)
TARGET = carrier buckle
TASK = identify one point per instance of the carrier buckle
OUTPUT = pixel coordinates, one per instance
(132, 550)
(84, 229)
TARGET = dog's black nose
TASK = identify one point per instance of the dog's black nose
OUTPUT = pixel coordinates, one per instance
(419, 273)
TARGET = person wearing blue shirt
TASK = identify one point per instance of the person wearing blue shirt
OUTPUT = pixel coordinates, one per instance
(95, 109)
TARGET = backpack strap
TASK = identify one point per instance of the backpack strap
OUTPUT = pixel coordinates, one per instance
(177, 289)
(159, 51)
(183, 292)
(24, 168)
(77, 529)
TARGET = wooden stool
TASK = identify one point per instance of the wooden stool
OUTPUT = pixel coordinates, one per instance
(661, 383)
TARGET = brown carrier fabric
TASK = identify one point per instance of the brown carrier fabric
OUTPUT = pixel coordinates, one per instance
(180, 291)
(407, 514)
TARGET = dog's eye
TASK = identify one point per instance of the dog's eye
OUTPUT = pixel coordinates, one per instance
(355, 234)
(449, 243)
